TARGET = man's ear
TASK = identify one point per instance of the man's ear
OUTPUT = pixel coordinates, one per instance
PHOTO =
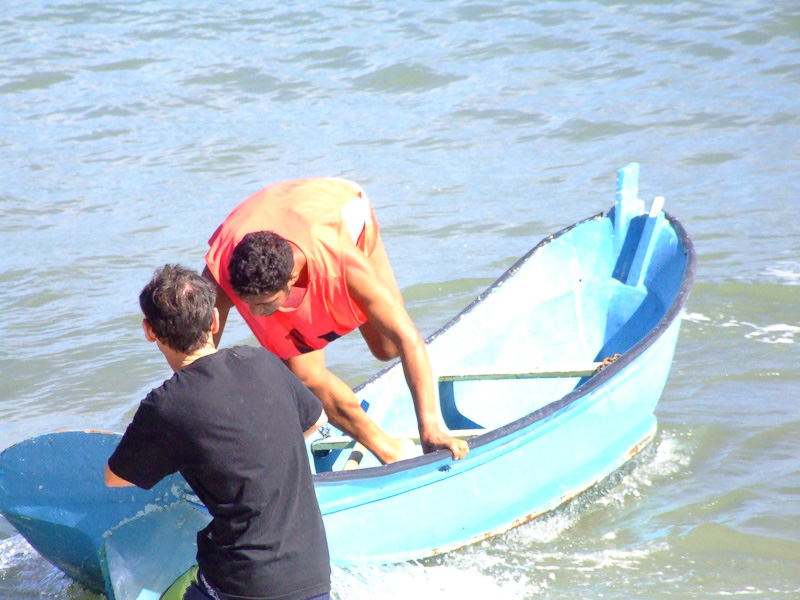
(149, 334)
(215, 322)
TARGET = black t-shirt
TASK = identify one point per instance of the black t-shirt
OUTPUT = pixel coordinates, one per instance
(231, 423)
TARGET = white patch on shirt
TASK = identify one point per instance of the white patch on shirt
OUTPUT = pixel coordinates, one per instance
(356, 215)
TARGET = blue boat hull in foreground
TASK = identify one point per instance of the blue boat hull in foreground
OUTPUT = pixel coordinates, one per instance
(553, 373)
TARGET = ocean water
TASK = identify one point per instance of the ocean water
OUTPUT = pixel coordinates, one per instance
(128, 130)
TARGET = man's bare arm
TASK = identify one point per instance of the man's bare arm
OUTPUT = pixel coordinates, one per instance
(113, 480)
(323, 418)
(390, 319)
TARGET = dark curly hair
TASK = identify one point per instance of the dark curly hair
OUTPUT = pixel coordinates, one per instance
(261, 263)
(179, 305)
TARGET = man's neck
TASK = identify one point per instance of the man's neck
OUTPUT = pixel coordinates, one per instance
(178, 360)
(299, 266)
(190, 358)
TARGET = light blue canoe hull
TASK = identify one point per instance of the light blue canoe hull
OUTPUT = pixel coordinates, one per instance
(506, 481)
(613, 284)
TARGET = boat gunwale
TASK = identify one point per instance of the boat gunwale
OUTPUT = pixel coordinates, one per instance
(492, 435)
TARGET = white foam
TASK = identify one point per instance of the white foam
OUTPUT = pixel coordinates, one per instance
(778, 333)
(774, 333)
(786, 272)
(415, 580)
(695, 318)
(25, 570)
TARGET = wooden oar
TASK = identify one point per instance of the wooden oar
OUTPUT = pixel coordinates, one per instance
(478, 373)
(466, 374)
(356, 456)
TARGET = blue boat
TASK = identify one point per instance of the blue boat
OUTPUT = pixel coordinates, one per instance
(553, 374)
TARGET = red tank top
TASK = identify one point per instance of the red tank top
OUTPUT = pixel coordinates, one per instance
(307, 212)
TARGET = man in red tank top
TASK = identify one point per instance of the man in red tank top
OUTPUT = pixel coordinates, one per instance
(303, 263)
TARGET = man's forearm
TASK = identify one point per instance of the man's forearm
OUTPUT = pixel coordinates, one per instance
(114, 480)
(419, 377)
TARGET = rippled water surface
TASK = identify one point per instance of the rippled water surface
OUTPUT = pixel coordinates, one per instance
(128, 130)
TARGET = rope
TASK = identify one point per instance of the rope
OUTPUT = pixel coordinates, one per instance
(607, 361)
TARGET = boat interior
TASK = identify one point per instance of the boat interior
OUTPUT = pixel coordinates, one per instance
(576, 300)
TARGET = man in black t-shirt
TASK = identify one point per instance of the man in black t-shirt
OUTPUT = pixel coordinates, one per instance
(232, 422)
